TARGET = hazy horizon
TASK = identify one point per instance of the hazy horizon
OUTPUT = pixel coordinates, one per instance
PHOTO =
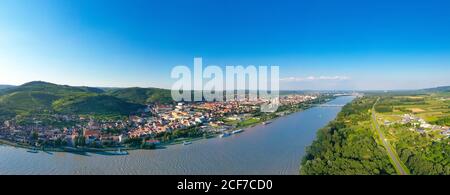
(14, 85)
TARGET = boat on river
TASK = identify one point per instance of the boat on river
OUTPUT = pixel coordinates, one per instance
(237, 131)
(120, 152)
(225, 134)
(267, 122)
(33, 150)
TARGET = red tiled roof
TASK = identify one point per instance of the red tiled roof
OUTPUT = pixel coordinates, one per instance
(91, 133)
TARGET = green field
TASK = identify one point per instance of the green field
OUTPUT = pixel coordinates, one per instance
(348, 145)
(423, 152)
(248, 122)
(433, 108)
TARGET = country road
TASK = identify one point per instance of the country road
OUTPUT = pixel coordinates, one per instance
(392, 155)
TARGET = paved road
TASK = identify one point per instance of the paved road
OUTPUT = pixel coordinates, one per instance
(392, 155)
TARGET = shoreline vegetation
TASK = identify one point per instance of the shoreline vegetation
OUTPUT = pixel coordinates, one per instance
(348, 145)
(414, 125)
(248, 123)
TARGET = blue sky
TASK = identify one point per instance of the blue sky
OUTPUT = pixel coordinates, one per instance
(334, 44)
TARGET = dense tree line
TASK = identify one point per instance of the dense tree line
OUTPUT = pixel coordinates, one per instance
(423, 156)
(431, 161)
(445, 121)
(347, 145)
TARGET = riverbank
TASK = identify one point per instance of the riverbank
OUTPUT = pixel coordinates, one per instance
(244, 154)
(349, 143)
(242, 125)
(63, 149)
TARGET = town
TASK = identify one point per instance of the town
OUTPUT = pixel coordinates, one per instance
(150, 127)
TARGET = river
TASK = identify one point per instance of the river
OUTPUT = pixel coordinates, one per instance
(275, 149)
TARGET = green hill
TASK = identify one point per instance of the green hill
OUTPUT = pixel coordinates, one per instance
(438, 89)
(39, 97)
(95, 104)
(27, 101)
(40, 86)
(142, 95)
(4, 87)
